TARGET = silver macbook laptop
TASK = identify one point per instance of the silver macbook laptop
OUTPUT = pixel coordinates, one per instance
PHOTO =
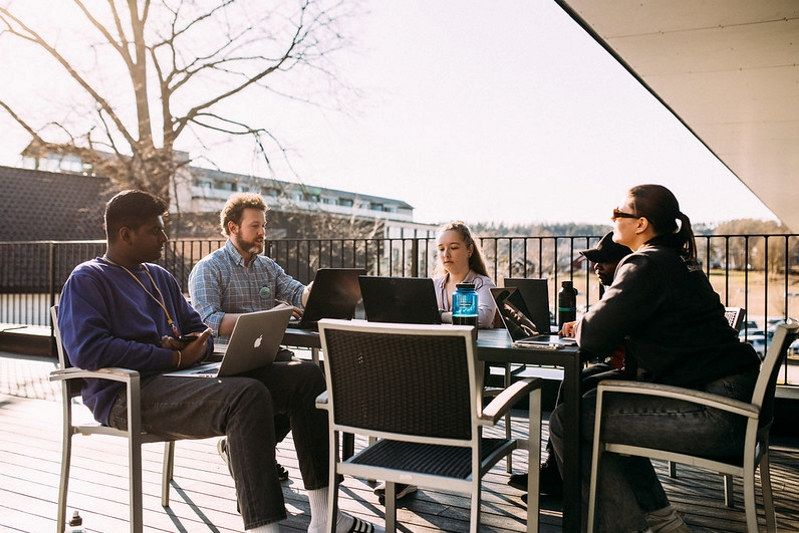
(253, 344)
(516, 319)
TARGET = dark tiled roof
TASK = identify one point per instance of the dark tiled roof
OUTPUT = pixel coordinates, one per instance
(38, 205)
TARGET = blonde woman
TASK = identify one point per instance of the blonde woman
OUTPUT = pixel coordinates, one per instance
(460, 261)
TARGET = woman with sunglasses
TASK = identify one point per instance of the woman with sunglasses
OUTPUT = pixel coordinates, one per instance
(663, 307)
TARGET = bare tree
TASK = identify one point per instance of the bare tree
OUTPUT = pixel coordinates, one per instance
(181, 61)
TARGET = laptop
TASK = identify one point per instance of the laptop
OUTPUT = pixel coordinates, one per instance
(403, 300)
(334, 294)
(516, 319)
(536, 296)
(253, 344)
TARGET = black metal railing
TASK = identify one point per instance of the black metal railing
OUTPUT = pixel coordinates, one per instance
(757, 272)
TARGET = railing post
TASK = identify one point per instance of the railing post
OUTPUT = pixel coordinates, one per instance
(415, 257)
(51, 262)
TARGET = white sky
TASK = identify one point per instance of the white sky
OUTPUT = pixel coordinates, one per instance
(485, 111)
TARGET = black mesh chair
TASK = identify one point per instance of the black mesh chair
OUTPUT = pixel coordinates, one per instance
(72, 382)
(758, 414)
(418, 389)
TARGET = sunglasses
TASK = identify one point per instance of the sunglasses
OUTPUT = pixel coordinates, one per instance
(622, 214)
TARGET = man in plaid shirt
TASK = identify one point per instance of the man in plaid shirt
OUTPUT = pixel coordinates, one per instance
(237, 279)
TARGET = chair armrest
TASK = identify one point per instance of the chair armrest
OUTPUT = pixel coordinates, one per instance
(505, 400)
(322, 402)
(124, 375)
(680, 393)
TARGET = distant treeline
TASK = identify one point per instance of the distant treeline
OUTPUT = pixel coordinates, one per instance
(741, 226)
(714, 247)
(538, 229)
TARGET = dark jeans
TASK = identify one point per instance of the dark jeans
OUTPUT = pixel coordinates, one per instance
(628, 487)
(243, 408)
(590, 377)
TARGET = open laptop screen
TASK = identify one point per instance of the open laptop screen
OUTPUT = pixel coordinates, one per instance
(536, 297)
(514, 313)
(402, 300)
(334, 294)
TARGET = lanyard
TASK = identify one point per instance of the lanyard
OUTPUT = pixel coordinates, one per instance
(159, 299)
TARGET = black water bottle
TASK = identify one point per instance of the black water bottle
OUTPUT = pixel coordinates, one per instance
(567, 303)
(76, 524)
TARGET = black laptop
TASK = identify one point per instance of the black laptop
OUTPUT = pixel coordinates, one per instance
(535, 293)
(334, 294)
(516, 319)
(403, 300)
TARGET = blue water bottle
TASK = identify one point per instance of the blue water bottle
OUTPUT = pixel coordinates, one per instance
(464, 305)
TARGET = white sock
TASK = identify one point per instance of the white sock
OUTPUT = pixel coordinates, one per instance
(266, 528)
(318, 502)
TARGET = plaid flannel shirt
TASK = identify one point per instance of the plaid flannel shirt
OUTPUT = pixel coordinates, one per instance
(221, 283)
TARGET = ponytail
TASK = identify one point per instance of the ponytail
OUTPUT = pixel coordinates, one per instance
(673, 227)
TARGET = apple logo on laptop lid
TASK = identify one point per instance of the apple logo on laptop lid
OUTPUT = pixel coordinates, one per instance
(257, 341)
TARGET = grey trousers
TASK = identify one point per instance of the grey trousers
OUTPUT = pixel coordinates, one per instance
(628, 487)
(243, 409)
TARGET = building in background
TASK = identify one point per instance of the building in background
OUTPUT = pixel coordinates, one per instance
(296, 210)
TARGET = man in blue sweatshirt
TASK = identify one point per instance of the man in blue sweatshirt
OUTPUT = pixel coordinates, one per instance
(121, 310)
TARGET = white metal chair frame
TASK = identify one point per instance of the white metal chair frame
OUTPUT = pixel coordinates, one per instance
(754, 454)
(480, 417)
(735, 317)
(71, 379)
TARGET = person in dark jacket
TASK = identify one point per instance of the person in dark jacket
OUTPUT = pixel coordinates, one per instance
(605, 257)
(673, 322)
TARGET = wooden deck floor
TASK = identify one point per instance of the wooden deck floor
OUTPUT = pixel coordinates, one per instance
(202, 493)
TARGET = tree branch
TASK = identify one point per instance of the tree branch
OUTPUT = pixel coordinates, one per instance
(34, 37)
(177, 33)
(121, 48)
(20, 121)
(182, 121)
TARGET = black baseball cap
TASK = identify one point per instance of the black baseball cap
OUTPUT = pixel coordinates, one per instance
(606, 251)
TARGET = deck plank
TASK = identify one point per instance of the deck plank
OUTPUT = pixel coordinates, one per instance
(203, 497)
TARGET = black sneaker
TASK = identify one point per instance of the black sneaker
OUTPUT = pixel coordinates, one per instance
(549, 480)
(401, 489)
(518, 481)
(282, 473)
(221, 447)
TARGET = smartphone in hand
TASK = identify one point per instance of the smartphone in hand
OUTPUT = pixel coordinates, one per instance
(185, 339)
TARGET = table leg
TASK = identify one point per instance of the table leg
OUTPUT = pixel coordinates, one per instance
(315, 355)
(347, 446)
(572, 501)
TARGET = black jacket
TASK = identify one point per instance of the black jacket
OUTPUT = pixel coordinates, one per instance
(672, 318)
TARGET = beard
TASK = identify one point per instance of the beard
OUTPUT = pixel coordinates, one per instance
(255, 246)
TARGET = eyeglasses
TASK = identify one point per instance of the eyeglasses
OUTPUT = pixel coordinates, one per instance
(622, 214)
